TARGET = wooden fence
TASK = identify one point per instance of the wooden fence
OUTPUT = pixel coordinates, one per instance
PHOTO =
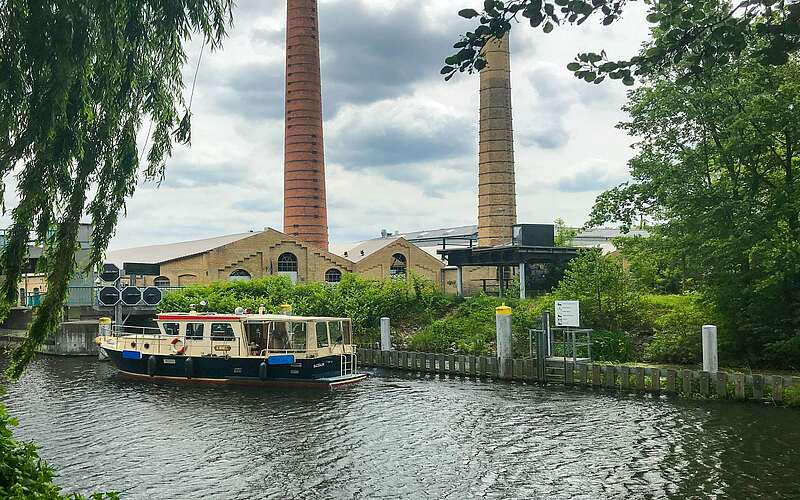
(686, 383)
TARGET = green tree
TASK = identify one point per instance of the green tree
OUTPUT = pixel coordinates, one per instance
(718, 163)
(695, 35)
(77, 81)
(564, 234)
(654, 262)
(609, 299)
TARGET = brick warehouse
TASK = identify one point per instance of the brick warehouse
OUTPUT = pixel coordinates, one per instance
(269, 252)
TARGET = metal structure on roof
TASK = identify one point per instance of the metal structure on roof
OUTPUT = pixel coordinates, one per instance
(531, 245)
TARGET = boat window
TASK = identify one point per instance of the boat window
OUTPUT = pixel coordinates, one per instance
(279, 336)
(347, 332)
(335, 330)
(222, 331)
(297, 336)
(171, 328)
(257, 335)
(194, 331)
(322, 335)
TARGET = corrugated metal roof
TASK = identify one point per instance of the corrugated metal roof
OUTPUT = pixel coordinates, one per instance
(157, 254)
(448, 232)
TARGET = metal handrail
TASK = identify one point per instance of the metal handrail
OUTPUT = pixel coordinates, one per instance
(568, 346)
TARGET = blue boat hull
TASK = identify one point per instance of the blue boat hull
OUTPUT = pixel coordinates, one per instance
(281, 370)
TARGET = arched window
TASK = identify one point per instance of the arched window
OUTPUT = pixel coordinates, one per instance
(333, 275)
(287, 263)
(240, 275)
(398, 267)
(161, 282)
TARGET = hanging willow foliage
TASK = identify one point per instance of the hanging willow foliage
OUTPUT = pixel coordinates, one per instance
(77, 80)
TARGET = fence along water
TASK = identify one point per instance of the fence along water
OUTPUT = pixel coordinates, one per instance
(683, 383)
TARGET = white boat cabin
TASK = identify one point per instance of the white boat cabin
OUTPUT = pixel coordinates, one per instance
(246, 335)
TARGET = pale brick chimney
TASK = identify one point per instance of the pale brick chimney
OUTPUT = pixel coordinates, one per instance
(497, 200)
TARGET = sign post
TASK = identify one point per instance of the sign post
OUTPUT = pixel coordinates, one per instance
(568, 313)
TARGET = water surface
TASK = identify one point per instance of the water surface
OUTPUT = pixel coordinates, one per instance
(396, 436)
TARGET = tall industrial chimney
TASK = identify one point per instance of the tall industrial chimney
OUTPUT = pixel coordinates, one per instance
(497, 199)
(305, 213)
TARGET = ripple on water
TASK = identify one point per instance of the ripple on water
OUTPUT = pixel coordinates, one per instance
(395, 436)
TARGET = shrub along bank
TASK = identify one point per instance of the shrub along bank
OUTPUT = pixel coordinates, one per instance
(628, 326)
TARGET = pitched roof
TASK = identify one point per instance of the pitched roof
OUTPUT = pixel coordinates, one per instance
(157, 254)
(355, 252)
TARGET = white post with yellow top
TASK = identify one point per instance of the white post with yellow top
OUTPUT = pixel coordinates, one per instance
(504, 351)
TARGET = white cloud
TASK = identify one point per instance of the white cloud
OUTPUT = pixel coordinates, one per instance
(401, 143)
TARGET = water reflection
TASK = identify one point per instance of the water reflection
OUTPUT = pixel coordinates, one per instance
(395, 436)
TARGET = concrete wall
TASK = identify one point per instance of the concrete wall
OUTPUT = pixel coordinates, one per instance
(73, 338)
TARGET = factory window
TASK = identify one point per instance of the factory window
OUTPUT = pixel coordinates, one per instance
(333, 276)
(287, 263)
(240, 275)
(161, 282)
(398, 267)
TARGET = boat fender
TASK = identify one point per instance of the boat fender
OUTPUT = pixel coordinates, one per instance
(188, 367)
(152, 365)
(262, 370)
(177, 349)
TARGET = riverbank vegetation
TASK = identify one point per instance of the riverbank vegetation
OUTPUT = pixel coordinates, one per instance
(630, 325)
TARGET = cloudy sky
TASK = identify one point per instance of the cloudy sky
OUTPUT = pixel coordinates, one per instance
(400, 143)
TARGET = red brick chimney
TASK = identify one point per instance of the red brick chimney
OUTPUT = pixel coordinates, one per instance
(305, 214)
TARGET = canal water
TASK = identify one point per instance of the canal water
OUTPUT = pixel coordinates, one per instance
(396, 436)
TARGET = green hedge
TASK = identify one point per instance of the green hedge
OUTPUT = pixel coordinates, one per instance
(417, 300)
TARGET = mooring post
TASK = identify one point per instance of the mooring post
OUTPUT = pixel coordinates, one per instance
(504, 351)
(386, 335)
(710, 358)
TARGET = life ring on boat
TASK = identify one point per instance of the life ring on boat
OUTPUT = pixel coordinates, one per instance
(176, 349)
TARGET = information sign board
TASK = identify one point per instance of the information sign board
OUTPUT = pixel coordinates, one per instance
(568, 313)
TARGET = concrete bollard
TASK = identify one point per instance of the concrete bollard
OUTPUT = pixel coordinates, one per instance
(504, 350)
(710, 358)
(386, 335)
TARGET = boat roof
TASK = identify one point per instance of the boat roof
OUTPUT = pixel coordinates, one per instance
(194, 316)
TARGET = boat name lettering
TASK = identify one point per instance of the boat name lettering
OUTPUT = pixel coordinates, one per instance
(224, 348)
(319, 365)
(237, 370)
(169, 361)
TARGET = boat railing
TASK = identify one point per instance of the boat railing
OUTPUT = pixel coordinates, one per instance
(126, 330)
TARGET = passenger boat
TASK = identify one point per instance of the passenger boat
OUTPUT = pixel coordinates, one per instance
(245, 348)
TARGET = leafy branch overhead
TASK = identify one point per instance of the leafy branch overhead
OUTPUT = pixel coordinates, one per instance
(698, 34)
(77, 81)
